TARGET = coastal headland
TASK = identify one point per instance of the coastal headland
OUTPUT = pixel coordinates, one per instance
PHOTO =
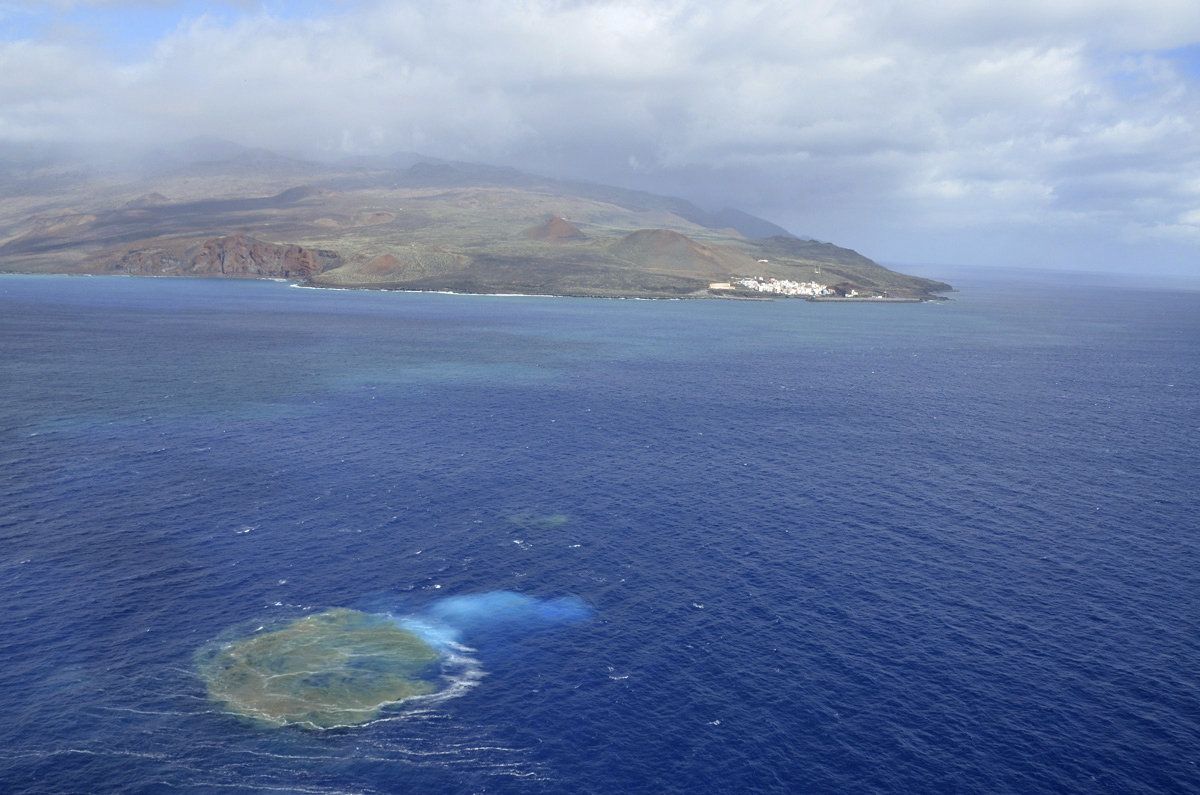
(411, 223)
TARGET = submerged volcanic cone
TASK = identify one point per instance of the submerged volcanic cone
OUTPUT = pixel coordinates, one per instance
(343, 667)
(335, 668)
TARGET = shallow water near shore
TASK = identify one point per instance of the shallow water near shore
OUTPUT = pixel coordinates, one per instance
(686, 546)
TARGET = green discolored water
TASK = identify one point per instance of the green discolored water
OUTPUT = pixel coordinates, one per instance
(335, 668)
(543, 521)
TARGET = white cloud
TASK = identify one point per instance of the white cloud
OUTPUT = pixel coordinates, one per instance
(836, 117)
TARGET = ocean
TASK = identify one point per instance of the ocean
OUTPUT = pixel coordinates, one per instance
(685, 546)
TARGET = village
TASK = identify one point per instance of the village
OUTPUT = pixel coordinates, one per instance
(773, 286)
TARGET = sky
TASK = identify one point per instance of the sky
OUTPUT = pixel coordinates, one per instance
(1026, 133)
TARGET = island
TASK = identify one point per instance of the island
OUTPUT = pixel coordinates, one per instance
(410, 223)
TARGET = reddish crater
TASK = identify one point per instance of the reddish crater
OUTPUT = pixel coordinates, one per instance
(555, 230)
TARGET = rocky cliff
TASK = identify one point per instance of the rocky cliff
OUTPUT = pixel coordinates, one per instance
(229, 255)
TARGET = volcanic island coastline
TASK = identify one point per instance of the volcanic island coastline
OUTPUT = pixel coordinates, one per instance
(430, 226)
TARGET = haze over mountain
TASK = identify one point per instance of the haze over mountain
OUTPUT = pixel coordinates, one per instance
(216, 209)
(1059, 133)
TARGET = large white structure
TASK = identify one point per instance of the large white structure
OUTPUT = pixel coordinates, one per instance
(783, 287)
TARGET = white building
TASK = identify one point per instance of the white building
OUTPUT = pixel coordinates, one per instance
(783, 287)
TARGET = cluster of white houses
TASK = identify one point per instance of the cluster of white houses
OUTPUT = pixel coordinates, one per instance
(774, 286)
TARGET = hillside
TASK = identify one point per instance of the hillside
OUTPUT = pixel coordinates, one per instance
(401, 223)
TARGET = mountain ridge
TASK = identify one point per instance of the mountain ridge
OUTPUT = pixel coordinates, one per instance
(408, 222)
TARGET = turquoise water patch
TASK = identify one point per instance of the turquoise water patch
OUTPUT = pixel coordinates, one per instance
(335, 668)
(343, 667)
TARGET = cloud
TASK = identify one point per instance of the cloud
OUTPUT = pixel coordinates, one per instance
(900, 124)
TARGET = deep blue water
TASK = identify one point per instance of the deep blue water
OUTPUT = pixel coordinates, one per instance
(934, 548)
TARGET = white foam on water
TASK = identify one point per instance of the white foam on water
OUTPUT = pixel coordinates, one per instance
(442, 625)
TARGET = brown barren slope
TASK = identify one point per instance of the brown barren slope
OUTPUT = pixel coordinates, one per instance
(555, 230)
